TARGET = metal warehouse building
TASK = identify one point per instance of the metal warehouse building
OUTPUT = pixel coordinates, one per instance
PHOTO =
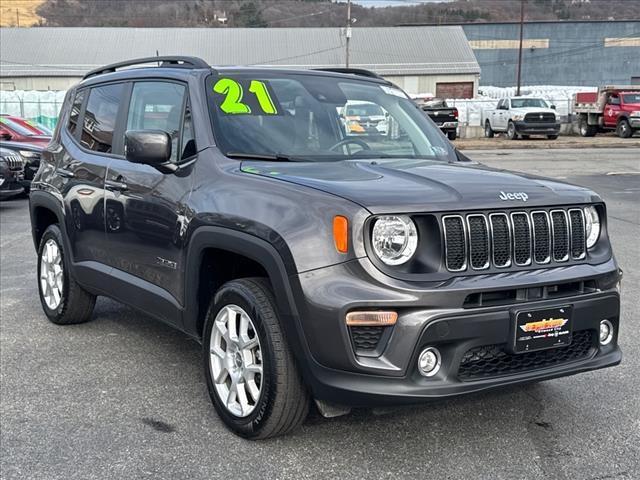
(558, 53)
(435, 59)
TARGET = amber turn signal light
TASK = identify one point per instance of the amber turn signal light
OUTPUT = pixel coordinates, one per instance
(371, 319)
(341, 233)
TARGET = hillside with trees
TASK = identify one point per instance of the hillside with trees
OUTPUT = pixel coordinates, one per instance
(316, 13)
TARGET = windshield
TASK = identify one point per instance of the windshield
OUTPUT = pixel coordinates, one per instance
(528, 102)
(631, 97)
(319, 118)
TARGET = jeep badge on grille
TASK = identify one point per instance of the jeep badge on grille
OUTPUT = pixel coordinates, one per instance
(513, 196)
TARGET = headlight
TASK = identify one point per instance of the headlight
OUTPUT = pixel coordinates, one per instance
(29, 154)
(518, 118)
(394, 239)
(635, 113)
(592, 221)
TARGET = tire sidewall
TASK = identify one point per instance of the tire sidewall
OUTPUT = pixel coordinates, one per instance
(511, 131)
(624, 129)
(53, 233)
(488, 133)
(250, 425)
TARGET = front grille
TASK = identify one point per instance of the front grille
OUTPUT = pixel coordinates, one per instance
(14, 162)
(494, 360)
(366, 339)
(479, 241)
(540, 118)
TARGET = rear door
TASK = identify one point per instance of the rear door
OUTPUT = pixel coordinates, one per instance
(89, 146)
(146, 215)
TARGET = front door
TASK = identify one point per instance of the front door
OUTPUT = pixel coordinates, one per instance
(145, 210)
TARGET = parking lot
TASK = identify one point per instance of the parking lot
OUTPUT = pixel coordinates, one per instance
(124, 396)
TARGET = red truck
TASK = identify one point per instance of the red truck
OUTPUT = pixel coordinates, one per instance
(610, 108)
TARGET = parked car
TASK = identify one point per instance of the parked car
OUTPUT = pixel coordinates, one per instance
(610, 108)
(522, 117)
(19, 130)
(312, 264)
(444, 116)
(11, 171)
(365, 118)
(30, 154)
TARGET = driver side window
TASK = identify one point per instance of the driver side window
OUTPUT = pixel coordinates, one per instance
(163, 106)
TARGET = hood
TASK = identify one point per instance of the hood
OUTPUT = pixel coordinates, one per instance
(534, 110)
(408, 185)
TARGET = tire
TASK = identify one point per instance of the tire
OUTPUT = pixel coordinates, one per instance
(511, 131)
(451, 135)
(586, 130)
(488, 131)
(624, 130)
(552, 137)
(282, 401)
(72, 304)
(525, 137)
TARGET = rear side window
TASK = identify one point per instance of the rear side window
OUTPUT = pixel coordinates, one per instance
(100, 116)
(160, 106)
(72, 126)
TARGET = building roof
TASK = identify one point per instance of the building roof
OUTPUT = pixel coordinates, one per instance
(71, 52)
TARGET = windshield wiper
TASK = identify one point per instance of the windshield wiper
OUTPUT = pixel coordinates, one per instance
(260, 156)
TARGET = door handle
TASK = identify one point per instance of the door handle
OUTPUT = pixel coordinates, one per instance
(66, 173)
(113, 186)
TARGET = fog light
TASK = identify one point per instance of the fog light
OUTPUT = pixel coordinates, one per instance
(606, 332)
(429, 362)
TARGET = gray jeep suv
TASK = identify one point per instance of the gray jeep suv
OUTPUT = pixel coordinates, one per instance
(312, 264)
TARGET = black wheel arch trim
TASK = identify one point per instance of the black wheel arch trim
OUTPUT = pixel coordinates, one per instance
(279, 267)
(43, 199)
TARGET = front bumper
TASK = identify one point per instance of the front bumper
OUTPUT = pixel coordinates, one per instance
(537, 128)
(447, 126)
(434, 317)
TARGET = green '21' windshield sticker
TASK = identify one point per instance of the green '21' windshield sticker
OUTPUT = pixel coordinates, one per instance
(231, 98)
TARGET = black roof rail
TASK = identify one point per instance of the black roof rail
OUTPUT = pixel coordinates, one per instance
(352, 71)
(171, 61)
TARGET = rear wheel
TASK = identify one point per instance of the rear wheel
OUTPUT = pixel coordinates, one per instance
(511, 131)
(251, 374)
(525, 137)
(552, 137)
(624, 130)
(587, 130)
(63, 300)
(488, 131)
(451, 135)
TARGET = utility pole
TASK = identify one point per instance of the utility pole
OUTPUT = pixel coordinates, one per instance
(17, 17)
(348, 33)
(520, 48)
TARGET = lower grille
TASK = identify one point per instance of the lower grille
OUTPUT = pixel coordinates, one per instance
(495, 361)
(366, 339)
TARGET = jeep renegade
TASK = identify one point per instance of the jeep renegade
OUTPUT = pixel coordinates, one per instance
(382, 268)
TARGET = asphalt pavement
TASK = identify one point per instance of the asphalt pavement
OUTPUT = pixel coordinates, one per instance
(124, 397)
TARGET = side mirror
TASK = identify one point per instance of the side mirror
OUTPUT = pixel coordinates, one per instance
(149, 147)
(552, 107)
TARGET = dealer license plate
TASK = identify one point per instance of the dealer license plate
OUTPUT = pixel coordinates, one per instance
(542, 329)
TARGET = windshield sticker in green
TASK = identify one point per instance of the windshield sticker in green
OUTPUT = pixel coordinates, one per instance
(231, 98)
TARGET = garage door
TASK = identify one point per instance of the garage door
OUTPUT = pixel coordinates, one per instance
(454, 90)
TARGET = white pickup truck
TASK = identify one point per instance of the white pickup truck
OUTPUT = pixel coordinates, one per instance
(522, 117)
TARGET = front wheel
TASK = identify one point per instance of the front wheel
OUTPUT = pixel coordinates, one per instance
(251, 374)
(511, 131)
(488, 131)
(63, 300)
(624, 129)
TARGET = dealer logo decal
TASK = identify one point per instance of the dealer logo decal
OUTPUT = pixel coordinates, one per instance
(544, 325)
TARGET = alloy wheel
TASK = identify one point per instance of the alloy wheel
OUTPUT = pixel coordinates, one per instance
(236, 360)
(51, 274)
